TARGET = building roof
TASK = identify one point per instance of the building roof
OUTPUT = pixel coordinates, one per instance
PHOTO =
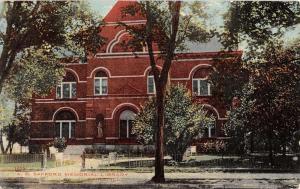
(115, 34)
(116, 14)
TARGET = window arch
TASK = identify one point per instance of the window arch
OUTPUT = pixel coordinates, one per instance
(67, 88)
(126, 122)
(201, 85)
(150, 83)
(210, 131)
(101, 83)
(65, 121)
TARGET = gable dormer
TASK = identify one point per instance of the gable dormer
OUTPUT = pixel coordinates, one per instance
(116, 35)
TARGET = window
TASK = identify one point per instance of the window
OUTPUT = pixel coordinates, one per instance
(100, 83)
(65, 124)
(126, 122)
(150, 84)
(210, 131)
(201, 87)
(67, 88)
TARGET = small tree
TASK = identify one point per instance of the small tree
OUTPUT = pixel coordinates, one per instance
(16, 133)
(183, 120)
(169, 25)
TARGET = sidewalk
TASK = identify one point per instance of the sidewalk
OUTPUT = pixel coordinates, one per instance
(173, 180)
(73, 173)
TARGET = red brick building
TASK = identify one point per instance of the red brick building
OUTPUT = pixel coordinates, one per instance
(97, 100)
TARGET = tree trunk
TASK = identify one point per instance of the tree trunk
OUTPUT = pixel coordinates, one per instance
(161, 82)
(7, 147)
(1, 141)
(283, 149)
(270, 145)
(251, 143)
(11, 148)
(159, 145)
(2, 146)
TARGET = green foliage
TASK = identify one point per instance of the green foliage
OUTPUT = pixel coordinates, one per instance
(239, 122)
(34, 24)
(183, 121)
(258, 22)
(227, 79)
(62, 28)
(37, 71)
(17, 133)
(255, 25)
(167, 29)
(266, 79)
(15, 127)
(192, 25)
(6, 110)
(269, 105)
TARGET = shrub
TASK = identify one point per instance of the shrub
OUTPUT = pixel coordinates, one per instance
(214, 147)
(60, 144)
(183, 121)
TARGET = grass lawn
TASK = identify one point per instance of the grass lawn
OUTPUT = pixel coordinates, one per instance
(209, 157)
(196, 163)
(30, 166)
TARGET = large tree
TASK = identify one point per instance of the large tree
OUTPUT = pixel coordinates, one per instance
(183, 122)
(261, 79)
(249, 26)
(255, 23)
(56, 26)
(36, 71)
(36, 36)
(169, 25)
(269, 106)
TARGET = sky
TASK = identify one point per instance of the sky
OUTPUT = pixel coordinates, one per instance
(102, 7)
(216, 9)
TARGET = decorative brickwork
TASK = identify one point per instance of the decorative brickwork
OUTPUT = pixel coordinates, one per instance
(126, 89)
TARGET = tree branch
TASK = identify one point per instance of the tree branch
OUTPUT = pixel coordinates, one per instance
(175, 10)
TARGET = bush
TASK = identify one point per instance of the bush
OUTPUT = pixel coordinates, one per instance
(183, 121)
(214, 147)
(60, 144)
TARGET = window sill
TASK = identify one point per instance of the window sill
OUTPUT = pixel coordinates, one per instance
(202, 95)
(127, 138)
(100, 94)
(62, 99)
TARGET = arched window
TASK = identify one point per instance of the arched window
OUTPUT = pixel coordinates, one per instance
(150, 83)
(67, 88)
(65, 124)
(100, 83)
(201, 86)
(210, 131)
(126, 121)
